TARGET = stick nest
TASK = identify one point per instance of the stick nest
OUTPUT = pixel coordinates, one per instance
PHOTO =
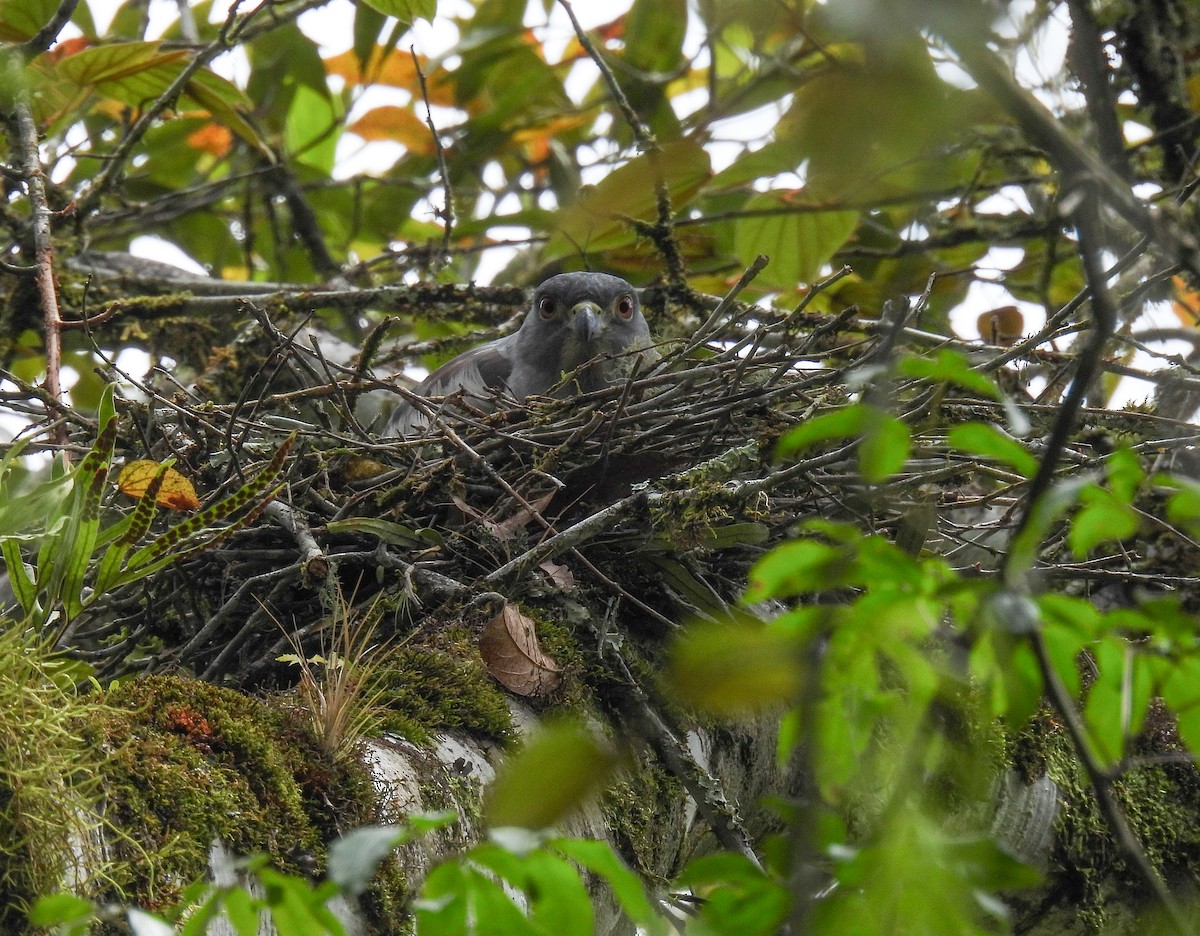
(645, 505)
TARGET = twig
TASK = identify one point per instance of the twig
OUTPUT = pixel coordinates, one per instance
(1073, 160)
(313, 562)
(43, 244)
(447, 211)
(586, 529)
(44, 38)
(702, 785)
(1127, 843)
(115, 163)
(305, 224)
(663, 232)
(714, 320)
(1104, 317)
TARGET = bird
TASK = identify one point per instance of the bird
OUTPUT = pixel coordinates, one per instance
(586, 325)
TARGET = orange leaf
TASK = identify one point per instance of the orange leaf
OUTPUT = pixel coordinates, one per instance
(66, 47)
(396, 70)
(1186, 302)
(176, 493)
(1003, 326)
(536, 140)
(212, 138)
(398, 124)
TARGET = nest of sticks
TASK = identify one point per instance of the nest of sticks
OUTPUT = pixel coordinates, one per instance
(645, 505)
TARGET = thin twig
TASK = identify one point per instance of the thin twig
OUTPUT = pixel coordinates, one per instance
(115, 163)
(44, 38)
(446, 213)
(43, 243)
(663, 231)
(714, 321)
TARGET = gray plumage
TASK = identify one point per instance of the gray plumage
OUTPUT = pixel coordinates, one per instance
(576, 319)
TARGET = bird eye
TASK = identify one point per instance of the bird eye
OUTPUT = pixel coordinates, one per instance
(546, 308)
(625, 307)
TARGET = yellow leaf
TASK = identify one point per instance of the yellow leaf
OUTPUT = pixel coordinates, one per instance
(176, 492)
(396, 69)
(398, 124)
(1186, 302)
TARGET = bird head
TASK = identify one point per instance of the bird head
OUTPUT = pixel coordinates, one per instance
(581, 317)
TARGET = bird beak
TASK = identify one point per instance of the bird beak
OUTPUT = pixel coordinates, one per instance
(586, 321)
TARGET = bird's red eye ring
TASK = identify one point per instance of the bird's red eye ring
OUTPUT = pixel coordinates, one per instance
(546, 308)
(625, 307)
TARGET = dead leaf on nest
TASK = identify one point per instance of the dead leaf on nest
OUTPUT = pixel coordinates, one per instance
(506, 529)
(560, 575)
(511, 653)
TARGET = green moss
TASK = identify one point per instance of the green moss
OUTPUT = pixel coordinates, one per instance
(1160, 801)
(633, 809)
(191, 762)
(442, 684)
(48, 784)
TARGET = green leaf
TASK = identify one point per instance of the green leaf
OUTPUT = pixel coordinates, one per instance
(1050, 507)
(454, 893)
(799, 567)
(23, 587)
(1183, 507)
(396, 534)
(731, 669)
(595, 221)
(1181, 693)
(845, 422)
(1189, 727)
(405, 10)
(949, 366)
(885, 447)
(136, 73)
(740, 897)
(312, 130)
(20, 20)
(772, 159)
(877, 122)
(988, 441)
(1114, 705)
(1125, 474)
(297, 908)
(242, 911)
(654, 32)
(356, 856)
(800, 239)
(61, 909)
(368, 26)
(599, 858)
(1103, 519)
(557, 770)
(559, 901)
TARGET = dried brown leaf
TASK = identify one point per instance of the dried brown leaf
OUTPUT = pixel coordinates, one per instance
(560, 575)
(511, 653)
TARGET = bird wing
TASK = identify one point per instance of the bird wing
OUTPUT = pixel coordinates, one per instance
(479, 373)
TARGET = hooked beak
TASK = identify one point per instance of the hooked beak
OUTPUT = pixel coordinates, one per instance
(586, 321)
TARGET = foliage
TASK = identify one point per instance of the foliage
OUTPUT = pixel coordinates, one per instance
(341, 686)
(48, 782)
(907, 158)
(521, 882)
(78, 560)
